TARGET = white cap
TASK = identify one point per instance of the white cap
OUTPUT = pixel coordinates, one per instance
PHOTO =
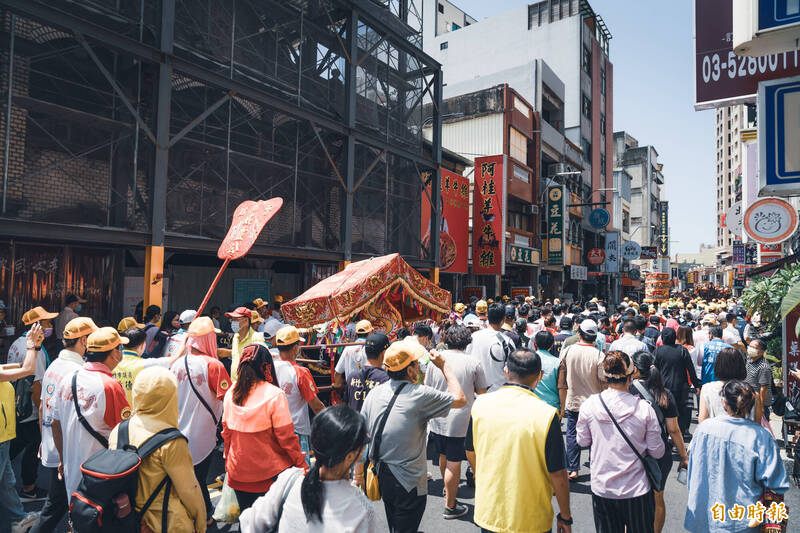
(187, 316)
(472, 322)
(589, 326)
(271, 327)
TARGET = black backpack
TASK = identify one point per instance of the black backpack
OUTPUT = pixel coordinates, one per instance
(113, 472)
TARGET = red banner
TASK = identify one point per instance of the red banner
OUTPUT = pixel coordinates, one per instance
(454, 232)
(489, 216)
(248, 220)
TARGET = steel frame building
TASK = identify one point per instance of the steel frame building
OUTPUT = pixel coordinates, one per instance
(145, 123)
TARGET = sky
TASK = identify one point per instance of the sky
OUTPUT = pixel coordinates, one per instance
(653, 55)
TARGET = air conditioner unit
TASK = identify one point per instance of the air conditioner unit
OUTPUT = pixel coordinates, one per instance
(530, 209)
(559, 168)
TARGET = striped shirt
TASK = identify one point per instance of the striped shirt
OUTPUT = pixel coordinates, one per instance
(759, 373)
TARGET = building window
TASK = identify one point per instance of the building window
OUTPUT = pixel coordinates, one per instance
(537, 14)
(522, 174)
(441, 8)
(587, 149)
(602, 123)
(602, 164)
(455, 27)
(587, 60)
(586, 106)
(602, 81)
(518, 148)
(443, 46)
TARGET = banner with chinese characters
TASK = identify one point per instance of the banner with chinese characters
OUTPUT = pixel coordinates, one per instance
(522, 255)
(663, 229)
(612, 252)
(738, 254)
(489, 216)
(791, 353)
(555, 225)
(454, 230)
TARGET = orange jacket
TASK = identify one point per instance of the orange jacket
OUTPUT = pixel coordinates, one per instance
(260, 442)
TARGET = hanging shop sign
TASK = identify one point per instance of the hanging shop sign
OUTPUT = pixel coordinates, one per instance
(721, 77)
(478, 292)
(738, 254)
(522, 255)
(630, 251)
(578, 273)
(634, 274)
(521, 291)
(779, 136)
(649, 252)
(599, 218)
(663, 229)
(734, 218)
(750, 253)
(489, 216)
(596, 256)
(770, 220)
(454, 230)
(612, 252)
(555, 225)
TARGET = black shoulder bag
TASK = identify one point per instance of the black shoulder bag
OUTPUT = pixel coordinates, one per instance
(98, 437)
(202, 400)
(651, 466)
(646, 396)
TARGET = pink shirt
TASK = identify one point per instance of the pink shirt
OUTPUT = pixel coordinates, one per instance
(616, 471)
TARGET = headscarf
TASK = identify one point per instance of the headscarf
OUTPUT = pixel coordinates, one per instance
(205, 344)
(674, 324)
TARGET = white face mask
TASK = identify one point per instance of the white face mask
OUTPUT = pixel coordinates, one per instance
(752, 353)
(235, 327)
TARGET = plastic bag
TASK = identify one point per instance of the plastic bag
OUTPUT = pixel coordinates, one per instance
(227, 508)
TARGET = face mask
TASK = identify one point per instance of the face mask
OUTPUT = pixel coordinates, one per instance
(752, 353)
(48, 332)
(79, 308)
(363, 456)
(235, 327)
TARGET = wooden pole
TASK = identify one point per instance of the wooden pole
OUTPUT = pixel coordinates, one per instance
(212, 287)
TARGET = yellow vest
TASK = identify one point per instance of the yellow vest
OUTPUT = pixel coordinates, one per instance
(513, 491)
(126, 371)
(8, 412)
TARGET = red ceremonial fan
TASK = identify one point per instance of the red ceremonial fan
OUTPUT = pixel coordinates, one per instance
(248, 221)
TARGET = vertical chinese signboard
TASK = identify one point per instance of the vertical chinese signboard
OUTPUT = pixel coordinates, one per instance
(454, 231)
(612, 252)
(555, 225)
(489, 216)
(663, 229)
(791, 353)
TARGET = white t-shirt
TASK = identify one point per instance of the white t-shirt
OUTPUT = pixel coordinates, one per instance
(298, 385)
(345, 509)
(731, 335)
(211, 381)
(103, 405)
(16, 354)
(68, 363)
(174, 343)
(351, 360)
(487, 347)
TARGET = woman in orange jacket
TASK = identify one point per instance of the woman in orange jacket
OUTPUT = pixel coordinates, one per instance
(260, 442)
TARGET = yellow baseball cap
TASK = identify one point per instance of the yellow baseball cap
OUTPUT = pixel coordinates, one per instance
(255, 318)
(127, 323)
(401, 354)
(105, 339)
(481, 306)
(36, 314)
(459, 307)
(288, 335)
(363, 326)
(79, 327)
(202, 326)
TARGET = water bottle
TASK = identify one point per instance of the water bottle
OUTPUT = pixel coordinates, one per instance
(683, 475)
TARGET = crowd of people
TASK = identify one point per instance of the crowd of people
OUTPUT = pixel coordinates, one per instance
(489, 384)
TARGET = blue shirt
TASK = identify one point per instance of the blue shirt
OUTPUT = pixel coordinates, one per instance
(732, 461)
(710, 352)
(547, 389)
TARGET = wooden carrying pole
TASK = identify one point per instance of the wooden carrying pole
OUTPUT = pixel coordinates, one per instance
(212, 287)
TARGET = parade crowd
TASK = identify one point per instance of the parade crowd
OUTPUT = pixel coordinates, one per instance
(490, 384)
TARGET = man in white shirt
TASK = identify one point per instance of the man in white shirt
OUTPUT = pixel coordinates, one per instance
(202, 384)
(100, 399)
(491, 348)
(628, 343)
(351, 359)
(28, 432)
(69, 361)
(298, 385)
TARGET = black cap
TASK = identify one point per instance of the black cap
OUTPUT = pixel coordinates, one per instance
(376, 343)
(511, 311)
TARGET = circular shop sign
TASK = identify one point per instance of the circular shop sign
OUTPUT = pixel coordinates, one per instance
(597, 256)
(631, 251)
(770, 220)
(634, 274)
(599, 218)
(734, 218)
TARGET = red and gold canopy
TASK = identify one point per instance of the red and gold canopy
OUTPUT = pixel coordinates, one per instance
(382, 287)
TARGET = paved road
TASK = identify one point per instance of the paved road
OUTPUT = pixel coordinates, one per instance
(580, 499)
